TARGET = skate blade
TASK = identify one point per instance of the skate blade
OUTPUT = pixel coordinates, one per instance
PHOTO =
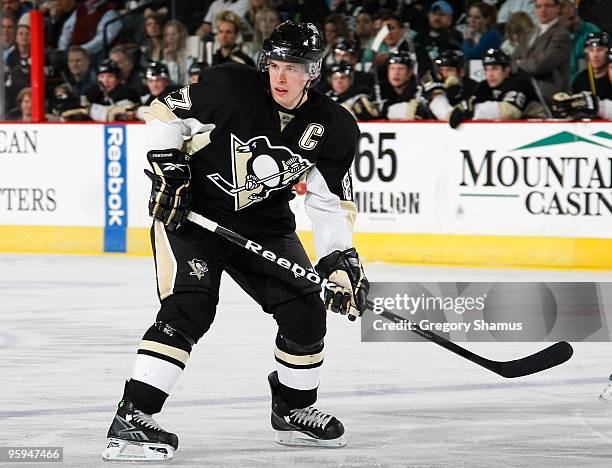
(123, 450)
(606, 395)
(298, 439)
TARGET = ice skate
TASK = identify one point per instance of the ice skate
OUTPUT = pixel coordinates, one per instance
(303, 426)
(135, 436)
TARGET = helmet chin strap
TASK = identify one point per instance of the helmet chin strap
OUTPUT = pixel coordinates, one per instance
(304, 91)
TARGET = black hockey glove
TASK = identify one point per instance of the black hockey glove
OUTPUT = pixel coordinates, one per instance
(431, 87)
(577, 106)
(364, 109)
(462, 111)
(170, 195)
(350, 294)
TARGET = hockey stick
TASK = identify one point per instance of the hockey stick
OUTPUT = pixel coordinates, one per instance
(229, 188)
(549, 357)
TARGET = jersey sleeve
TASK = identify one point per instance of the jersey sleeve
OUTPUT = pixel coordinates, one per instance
(329, 197)
(184, 119)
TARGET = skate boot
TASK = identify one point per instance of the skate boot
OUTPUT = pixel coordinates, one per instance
(135, 436)
(303, 426)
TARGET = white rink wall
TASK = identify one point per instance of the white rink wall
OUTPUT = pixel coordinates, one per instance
(518, 193)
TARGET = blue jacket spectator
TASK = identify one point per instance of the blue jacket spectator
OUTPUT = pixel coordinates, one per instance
(481, 34)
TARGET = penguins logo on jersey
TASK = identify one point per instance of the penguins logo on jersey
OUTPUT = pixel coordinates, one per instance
(258, 169)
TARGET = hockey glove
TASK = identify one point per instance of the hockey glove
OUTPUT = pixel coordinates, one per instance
(431, 87)
(462, 111)
(350, 294)
(577, 106)
(364, 109)
(170, 195)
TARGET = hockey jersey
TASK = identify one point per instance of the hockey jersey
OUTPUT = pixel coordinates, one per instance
(244, 169)
(515, 98)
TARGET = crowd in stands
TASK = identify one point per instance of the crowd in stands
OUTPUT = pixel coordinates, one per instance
(450, 60)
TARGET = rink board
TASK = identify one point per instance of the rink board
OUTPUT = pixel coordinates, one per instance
(516, 194)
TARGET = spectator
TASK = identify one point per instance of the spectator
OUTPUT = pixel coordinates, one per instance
(228, 30)
(364, 33)
(195, 69)
(544, 53)
(511, 7)
(481, 34)
(111, 100)
(502, 95)
(85, 27)
(129, 74)
(23, 113)
(249, 23)
(57, 13)
(18, 66)
(580, 30)
(399, 90)
(158, 83)
(335, 26)
(81, 78)
(394, 41)
(151, 48)
(15, 8)
(518, 24)
(440, 36)
(174, 56)
(209, 26)
(9, 26)
(21, 51)
(348, 95)
(266, 20)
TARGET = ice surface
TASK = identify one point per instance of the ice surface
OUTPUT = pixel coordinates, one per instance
(71, 325)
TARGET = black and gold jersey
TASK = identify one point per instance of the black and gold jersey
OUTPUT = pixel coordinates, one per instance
(244, 169)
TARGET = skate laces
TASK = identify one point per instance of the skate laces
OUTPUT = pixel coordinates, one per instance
(146, 420)
(310, 417)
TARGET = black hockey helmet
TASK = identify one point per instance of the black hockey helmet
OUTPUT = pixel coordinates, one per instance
(196, 67)
(108, 66)
(600, 38)
(402, 57)
(450, 58)
(294, 42)
(347, 45)
(342, 68)
(157, 70)
(496, 57)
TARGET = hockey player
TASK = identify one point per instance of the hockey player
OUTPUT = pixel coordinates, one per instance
(400, 91)
(449, 66)
(349, 95)
(212, 146)
(592, 89)
(158, 83)
(501, 96)
(194, 71)
(111, 100)
(347, 51)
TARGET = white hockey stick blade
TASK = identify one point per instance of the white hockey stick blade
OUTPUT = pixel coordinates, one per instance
(606, 395)
(299, 439)
(123, 450)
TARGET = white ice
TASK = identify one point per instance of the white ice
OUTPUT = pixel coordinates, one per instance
(71, 324)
